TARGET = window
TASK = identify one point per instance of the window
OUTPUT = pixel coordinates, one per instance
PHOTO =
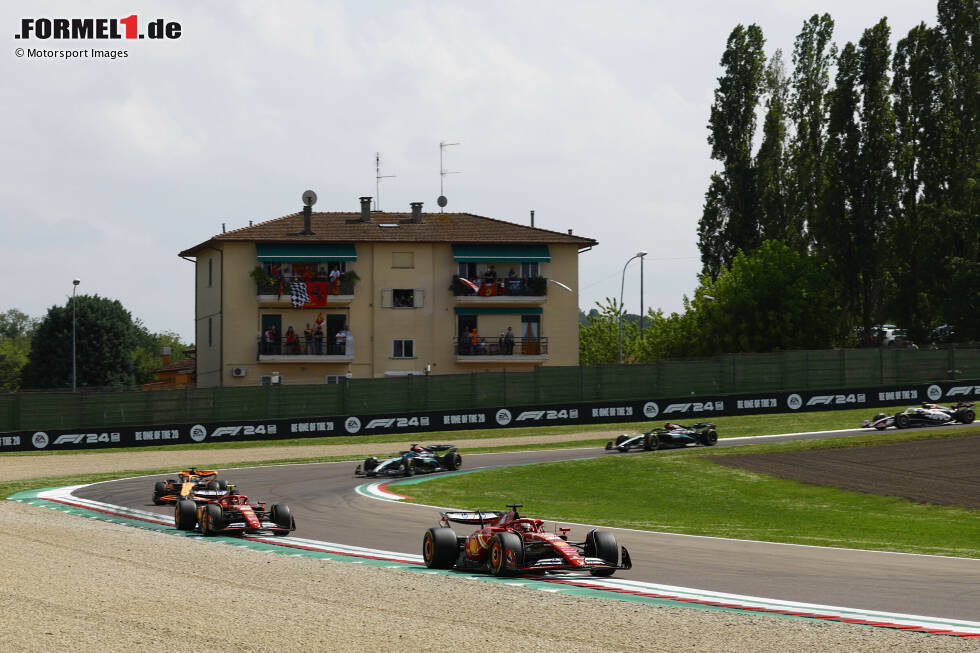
(334, 378)
(529, 270)
(403, 348)
(403, 298)
(403, 259)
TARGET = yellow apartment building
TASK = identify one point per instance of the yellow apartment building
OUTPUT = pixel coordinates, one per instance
(313, 297)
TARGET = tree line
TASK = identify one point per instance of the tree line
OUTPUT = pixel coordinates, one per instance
(857, 204)
(111, 348)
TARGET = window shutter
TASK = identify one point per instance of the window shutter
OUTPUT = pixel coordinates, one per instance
(386, 298)
(419, 297)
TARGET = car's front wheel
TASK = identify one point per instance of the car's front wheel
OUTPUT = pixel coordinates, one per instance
(902, 421)
(602, 544)
(651, 442)
(282, 515)
(159, 489)
(212, 521)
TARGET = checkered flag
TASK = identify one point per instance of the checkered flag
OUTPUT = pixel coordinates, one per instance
(298, 291)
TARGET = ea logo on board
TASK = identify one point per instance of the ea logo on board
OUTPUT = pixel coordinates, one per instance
(503, 417)
(934, 392)
(40, 439)
(352, 425)
(794, 401)
(650, 410)
(198, 433)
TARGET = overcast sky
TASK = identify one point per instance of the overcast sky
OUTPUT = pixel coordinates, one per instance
(591, 113)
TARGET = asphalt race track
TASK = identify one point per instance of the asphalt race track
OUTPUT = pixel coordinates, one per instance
(327, 508)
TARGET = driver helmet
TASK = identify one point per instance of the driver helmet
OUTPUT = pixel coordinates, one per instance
(417, 449)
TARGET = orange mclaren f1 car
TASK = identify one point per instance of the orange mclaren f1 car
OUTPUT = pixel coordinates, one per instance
(198, 485)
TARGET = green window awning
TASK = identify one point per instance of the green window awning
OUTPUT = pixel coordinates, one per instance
(501, 253)
(305, 253)
(498, 310)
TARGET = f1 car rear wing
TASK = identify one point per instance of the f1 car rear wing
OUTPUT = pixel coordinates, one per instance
(472, 517)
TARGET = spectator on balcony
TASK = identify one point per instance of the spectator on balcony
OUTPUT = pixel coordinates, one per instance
(475, 341)
(509, 341)
(335, 280)
(292, 343)
(513, 282)
(308, 339)
(270, 339)
(490, 276)
(318, 339)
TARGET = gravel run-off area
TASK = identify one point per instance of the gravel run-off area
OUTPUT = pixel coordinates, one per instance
(73, 584)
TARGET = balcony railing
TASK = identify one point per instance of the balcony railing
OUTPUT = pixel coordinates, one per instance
(465, 346)
(301, 347)
(515, 287)
(280, 287)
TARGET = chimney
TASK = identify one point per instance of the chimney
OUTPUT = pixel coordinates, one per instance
(532, 217)
(165, 355)
(365, 209)
(416, 212)
(569, 232)
(307, 220)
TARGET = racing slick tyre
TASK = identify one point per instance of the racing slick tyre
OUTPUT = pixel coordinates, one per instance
(212, 521)
(902, 421)
(620, 439)
(451, 461)
(964, 415)
(185, 515)
(602, 544)
(409, 467)
(283, 516)
(709, 438)
(506, 554)
(651, 442)
(440, 548)
(370, 463)
(213, 485)
(159, 489)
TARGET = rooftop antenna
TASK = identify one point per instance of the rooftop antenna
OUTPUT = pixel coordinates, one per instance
(377, 180)
(442, 201)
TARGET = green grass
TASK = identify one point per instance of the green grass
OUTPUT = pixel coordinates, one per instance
(681, 491)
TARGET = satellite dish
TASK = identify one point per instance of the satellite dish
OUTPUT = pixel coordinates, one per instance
(309, 198)
(442, 201)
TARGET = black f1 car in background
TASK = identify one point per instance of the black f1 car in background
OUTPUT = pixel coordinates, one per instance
(508, 544)
(232, 513)
(417, 460)
(670, 436)
(194, 484)
(925, 415)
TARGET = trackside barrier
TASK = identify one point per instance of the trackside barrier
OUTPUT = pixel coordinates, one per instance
(731, 374)
(678, 409)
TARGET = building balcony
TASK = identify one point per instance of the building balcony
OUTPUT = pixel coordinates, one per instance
(273, 293)
(526, 290)
(305, 351)
(498, 350)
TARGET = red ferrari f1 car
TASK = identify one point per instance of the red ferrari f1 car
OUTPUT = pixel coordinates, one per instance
(231, 513)
(508, 544)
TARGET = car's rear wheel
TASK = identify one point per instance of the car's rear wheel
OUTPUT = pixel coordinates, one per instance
(506, 554)
(282, 515)
(212, 521)
(709, 438)
(159, 489)
(902, 421)
(214, 485)
(451, 461)
(964, 415)
(440, 548)
(651, 442)
(185, 515)
(602, 544)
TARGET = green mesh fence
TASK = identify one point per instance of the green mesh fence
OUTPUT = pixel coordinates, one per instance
(728, 374)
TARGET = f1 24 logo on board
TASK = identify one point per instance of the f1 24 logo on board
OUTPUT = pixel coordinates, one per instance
(963, 391)
(826, 400)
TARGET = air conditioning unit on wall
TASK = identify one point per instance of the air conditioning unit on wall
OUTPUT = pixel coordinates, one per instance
(239, 371)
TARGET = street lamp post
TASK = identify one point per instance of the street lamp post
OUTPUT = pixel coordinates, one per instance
(74, 376)
(622, 285)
